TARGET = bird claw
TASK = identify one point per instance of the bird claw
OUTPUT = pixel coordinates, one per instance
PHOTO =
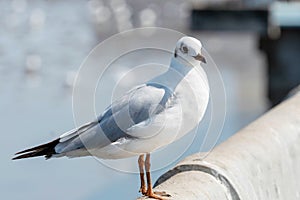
(163, 193)
(157, 195)
(143, 190)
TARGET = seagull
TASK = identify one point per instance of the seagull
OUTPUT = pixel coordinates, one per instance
(144, 119)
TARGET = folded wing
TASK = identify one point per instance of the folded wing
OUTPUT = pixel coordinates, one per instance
(137, 106)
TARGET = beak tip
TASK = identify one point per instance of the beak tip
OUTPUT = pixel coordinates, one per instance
(201, 58)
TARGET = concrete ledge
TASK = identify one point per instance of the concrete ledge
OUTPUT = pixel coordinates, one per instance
(261, 162)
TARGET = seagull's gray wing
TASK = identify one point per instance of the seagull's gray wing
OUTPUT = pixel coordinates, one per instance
(138, 105)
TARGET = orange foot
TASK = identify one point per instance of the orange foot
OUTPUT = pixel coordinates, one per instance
(143, 190)
(157, 195)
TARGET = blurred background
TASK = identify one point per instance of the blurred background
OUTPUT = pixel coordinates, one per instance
(255, 44)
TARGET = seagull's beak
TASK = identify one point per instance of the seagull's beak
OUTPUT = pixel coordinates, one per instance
(200, 58)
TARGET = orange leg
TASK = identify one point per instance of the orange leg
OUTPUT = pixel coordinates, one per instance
(141, 162)
(150, 192)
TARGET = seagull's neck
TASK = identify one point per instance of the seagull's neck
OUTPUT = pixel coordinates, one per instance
(178, 70)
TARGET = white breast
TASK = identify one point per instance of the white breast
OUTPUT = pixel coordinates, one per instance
(193, 94)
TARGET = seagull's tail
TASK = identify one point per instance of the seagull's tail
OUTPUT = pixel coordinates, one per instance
(46, 150)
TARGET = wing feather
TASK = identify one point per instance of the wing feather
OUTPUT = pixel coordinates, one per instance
(137, 106)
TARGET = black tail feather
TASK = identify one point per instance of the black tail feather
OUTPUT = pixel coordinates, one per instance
(46, 150)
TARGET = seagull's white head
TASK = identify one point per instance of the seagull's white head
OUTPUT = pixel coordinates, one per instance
(189, 49)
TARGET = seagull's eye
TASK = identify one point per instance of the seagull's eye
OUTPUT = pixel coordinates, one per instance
(184, 49)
